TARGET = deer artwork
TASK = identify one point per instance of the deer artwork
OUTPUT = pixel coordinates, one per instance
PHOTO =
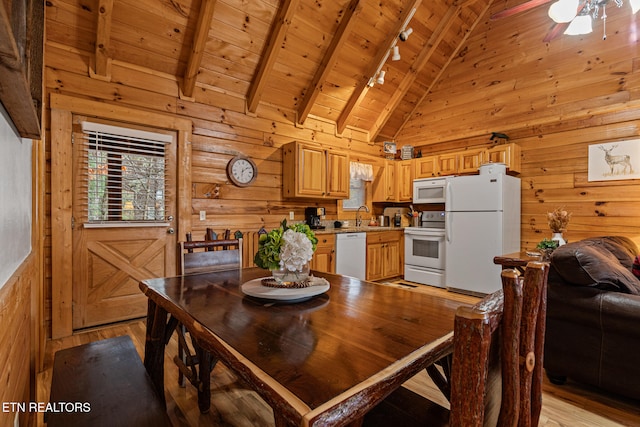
(623, 160)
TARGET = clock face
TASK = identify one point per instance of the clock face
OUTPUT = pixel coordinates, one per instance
(242, 171)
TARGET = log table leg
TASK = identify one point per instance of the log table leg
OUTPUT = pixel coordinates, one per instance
(154, 346)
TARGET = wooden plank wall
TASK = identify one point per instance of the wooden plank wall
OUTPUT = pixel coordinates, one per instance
(17, 358)
(221, 130)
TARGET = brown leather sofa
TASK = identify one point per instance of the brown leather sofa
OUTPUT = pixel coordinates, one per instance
(593, 315)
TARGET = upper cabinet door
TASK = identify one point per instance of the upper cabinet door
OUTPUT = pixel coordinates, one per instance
(311, 171)
(338, 175)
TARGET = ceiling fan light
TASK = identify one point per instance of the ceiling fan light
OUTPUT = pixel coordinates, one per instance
(396, 53)
(580, 25)
(635, 5)
(563, 10)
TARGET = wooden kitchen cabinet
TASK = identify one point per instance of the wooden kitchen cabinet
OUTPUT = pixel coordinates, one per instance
(324, 256)
(309, 171)
(404, 171)
(425, 167)
(395, 182)
(384, 184)
(447, 164)
(470, 160)
(384, 255)
(508, 154)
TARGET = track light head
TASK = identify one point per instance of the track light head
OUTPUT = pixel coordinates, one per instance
(404, 35)
(380, 79)
(396, 54)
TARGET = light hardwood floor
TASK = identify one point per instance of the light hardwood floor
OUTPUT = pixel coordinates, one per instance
(233, 404)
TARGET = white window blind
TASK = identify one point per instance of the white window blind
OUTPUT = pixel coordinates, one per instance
(125, 174)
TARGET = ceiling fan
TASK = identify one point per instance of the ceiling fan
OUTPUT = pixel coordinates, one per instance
(584, 7)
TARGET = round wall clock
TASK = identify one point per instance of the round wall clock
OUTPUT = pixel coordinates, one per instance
(242, 171)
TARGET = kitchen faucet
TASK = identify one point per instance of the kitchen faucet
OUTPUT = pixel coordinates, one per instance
(358, 219)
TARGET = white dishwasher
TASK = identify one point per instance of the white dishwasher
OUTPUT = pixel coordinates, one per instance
(351, 254)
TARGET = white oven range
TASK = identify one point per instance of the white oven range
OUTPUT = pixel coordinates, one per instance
(424, 250)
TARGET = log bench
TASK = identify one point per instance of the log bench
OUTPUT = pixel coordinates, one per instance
(103, 383)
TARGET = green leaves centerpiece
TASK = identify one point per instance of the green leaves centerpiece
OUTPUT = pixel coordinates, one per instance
(288, 246)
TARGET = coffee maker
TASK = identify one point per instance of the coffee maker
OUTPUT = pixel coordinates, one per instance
(312, 216)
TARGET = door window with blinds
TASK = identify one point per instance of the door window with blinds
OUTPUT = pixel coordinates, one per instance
(124, 175)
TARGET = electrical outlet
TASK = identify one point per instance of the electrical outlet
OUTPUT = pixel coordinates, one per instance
(203, 215)
(291, 215)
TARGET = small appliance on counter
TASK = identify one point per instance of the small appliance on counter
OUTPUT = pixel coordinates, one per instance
(313, 216)
(398, 216)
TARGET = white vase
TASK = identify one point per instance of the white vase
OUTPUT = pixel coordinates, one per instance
(557, 237)
(286, 277)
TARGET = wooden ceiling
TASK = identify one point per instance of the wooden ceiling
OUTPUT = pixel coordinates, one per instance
(306, 57)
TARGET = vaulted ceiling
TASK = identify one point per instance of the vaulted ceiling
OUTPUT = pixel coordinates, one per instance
(306, 57)
(316, 58)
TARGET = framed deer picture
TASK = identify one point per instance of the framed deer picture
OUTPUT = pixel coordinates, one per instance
(614, 160)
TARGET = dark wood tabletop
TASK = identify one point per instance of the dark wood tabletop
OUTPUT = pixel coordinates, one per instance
(517, 259)
(325, 360)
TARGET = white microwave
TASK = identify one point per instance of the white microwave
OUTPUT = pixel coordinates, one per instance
(429, 190)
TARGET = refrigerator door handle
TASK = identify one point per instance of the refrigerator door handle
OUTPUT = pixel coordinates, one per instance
(447, 192)
(447, 227)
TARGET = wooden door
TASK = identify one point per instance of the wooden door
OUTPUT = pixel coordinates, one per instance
(112, 255)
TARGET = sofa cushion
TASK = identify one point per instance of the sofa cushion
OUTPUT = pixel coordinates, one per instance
(621, 247)
(590, 262)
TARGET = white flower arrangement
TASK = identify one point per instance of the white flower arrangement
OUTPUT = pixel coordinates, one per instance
(289, 247)
(296, 251)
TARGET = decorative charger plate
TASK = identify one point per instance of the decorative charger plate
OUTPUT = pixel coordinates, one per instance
(255, 288)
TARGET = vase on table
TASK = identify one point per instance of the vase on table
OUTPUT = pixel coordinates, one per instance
(557, 237)
(285, 277)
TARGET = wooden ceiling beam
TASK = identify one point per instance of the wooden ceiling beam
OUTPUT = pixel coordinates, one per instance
(102, 59)
(329, 60)
(421, 60)
(363, 85)
(270, 52)
(454, 53)
(21, 65)
(198, 46)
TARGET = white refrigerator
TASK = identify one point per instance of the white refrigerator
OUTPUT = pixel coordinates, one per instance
(482, 220)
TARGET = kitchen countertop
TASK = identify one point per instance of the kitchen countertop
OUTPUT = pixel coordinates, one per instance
(361, 229)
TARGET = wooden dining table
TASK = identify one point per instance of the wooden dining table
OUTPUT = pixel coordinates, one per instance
(322, 361)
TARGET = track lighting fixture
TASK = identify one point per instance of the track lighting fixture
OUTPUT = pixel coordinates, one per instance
(393, 51)
(404, 35)
(396, 54)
